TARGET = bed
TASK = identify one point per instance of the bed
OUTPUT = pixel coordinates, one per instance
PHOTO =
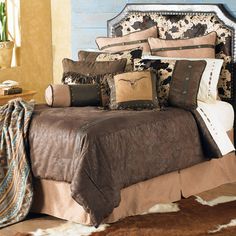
(192, 175)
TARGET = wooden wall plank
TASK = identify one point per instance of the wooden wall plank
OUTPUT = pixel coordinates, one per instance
(102, 6)
(89, 18)
(85, 39)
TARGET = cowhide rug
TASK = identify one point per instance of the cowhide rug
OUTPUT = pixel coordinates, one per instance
(212, 213)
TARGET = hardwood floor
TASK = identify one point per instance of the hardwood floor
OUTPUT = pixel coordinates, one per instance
(32, 223)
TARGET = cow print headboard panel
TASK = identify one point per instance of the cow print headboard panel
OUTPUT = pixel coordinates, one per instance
(186, 21)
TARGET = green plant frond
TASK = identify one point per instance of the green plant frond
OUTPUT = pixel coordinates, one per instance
(3, 22)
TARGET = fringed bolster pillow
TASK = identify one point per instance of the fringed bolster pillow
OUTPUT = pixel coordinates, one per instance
(62, 95)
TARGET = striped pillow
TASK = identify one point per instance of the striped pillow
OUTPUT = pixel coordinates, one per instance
(76, 95)
(129, 41)
(198, 47)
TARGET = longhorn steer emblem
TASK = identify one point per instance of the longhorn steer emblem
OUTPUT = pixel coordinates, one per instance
(133, 83)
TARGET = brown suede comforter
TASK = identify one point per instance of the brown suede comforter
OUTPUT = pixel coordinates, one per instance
(100, 152)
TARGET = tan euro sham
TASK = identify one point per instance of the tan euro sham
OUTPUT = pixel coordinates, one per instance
(198, 47)
(129, 41)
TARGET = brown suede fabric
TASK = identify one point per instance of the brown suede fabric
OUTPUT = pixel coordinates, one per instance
(93, 68)
(87, 55)
(130, 55)
(185, 84)
(101, 152)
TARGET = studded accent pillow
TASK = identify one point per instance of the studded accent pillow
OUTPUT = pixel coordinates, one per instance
(83, 72)
(198, 47)
(164, 68)
(71, 67)
(100, 80)
(129, 41)
(130, 55)
(185, 84)
(62, 95)
(133, 90)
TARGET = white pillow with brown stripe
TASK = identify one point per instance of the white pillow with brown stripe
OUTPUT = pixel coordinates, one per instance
(129, 41)
(198, 47)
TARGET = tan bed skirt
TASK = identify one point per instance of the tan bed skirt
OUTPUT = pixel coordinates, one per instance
(54, 198)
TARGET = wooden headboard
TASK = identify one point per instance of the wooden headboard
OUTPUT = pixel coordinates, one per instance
(179, 21)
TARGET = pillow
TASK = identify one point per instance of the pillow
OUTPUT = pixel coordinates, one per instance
(100, 80)
(203, 47)
(135, 90)
(129, 41)
(61, 95)
(164, 68)
(130, 55)
(185, 83)
(71, 67)
(83, 72)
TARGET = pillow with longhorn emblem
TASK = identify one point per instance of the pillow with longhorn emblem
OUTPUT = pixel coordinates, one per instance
(133, 90)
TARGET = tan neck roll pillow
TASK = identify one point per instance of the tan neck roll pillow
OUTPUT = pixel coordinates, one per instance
(198, 47)
(129, 41)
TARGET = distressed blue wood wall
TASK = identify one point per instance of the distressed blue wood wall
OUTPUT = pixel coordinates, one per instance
(89, 18)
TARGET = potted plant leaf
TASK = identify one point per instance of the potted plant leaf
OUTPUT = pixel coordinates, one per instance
(6, 46)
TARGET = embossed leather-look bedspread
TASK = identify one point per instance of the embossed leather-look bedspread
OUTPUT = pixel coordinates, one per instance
(100, 152)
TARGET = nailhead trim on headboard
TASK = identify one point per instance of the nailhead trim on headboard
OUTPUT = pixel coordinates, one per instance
(183, 9)
(217, 10)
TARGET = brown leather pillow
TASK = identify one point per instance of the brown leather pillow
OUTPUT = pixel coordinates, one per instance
(92, 68)
(83, 72)
(185, 83)
(198, 47)
(130, 55)
(101, 80)
(129, 41)
(134, 90)
(164, 68)
(61, 95)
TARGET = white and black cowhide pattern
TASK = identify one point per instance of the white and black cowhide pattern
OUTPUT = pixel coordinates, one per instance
(164, 70)
(183, 27)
